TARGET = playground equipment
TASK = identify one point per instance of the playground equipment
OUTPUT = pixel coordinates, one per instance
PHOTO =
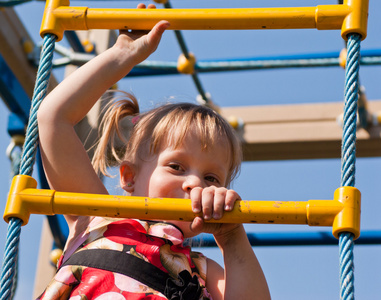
(351, 17)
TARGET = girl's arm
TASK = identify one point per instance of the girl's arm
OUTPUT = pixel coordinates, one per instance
(66, 163)
(243, 277)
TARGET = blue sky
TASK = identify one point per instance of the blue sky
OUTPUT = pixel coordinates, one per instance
(305, 272)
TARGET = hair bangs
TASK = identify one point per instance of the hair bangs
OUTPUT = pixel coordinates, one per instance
(174, 127)
(170, 124)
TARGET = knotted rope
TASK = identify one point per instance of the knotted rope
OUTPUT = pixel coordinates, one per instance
(27, 161)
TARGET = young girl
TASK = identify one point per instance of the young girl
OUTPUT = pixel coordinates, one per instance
(174, 151)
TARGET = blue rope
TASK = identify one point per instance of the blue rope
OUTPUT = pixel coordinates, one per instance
(28, 157)
(348, 159)
(42, 81)
(15, 158)
(346, 266)
(10, 259)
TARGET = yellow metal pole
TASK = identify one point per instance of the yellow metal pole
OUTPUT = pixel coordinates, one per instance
(59, 16)
(343, 212)
(205, 19)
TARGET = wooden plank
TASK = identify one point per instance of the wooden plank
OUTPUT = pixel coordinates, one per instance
(12, 35)
(303, 131)
(45, 270)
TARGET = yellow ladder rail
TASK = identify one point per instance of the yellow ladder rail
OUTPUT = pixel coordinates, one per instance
(342, 213)
(350, 17)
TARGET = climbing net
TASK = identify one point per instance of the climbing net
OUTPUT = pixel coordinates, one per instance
(348, 158)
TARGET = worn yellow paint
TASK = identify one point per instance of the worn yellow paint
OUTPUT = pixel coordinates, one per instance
(349, 17)
(342, 213)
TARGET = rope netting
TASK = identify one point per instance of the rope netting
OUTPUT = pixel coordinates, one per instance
(28, 157)
(347, 176)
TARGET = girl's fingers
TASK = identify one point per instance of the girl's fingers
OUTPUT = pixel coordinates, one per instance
(197, 225)
(231, 198)
(157, 31)
(212, 201)
(207, 203)
(196, 197)
(219, 203)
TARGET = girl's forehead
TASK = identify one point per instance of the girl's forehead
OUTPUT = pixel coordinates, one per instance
(176, 137)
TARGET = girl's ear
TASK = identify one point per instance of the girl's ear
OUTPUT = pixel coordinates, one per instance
(127, 175)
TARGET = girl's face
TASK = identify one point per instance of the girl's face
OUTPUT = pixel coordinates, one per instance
(173, 173)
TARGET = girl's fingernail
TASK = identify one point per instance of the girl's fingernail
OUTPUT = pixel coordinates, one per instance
(227, 207)
(196, 210)
(216, 216)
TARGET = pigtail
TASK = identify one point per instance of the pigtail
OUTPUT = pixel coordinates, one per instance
(112, 141)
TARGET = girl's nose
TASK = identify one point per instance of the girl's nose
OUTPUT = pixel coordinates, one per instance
(191, 182)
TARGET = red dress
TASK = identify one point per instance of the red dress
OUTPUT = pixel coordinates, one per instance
(159, 244)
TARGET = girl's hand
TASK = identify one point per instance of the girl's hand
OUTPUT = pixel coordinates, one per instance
(139, 44)
(212, 202)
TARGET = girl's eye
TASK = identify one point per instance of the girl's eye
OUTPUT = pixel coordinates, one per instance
(175, 167)
(212, 179)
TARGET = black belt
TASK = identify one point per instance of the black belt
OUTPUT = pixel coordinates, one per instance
(185, 287)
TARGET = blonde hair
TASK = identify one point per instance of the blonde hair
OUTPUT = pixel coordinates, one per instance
(166, 125)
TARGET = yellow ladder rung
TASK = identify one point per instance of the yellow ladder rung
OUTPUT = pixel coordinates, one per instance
(349, 17)
(342, 213)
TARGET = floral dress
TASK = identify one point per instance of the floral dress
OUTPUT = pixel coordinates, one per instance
(158, 246)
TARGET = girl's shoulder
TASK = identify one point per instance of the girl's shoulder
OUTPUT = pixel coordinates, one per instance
(80, 230)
